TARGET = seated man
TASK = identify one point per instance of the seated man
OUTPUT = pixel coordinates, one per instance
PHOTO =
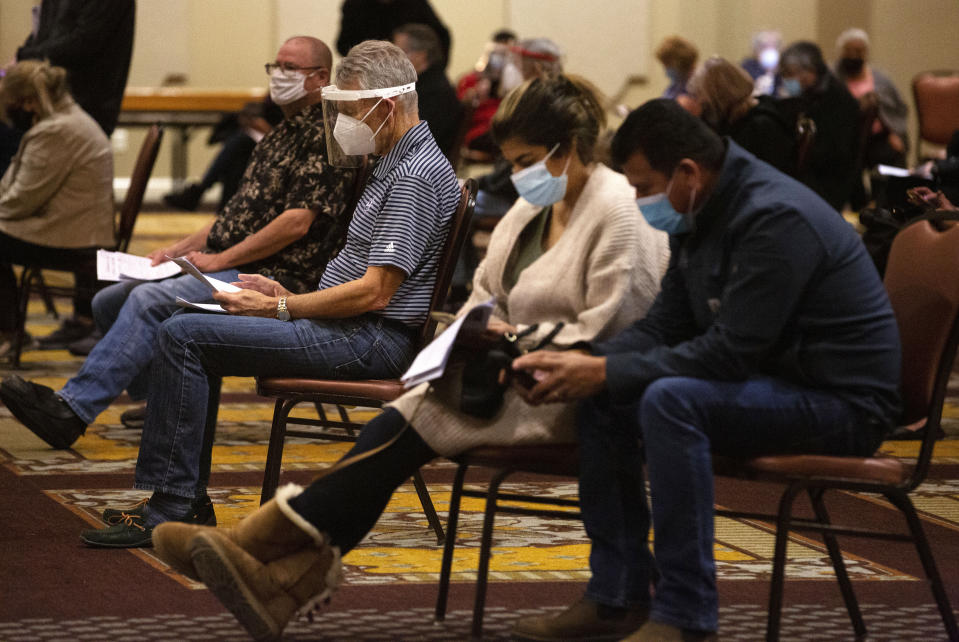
(439, 105)
(285, 221)
(362, 322)
(815, 92)
(772, 334)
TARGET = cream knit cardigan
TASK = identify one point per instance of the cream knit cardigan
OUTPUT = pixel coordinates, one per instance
(600, 276)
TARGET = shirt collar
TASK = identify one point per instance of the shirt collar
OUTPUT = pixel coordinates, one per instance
(410, 141)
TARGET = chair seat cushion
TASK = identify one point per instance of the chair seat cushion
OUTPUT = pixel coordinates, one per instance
(547, 459)
(883, 470)
(379, 389)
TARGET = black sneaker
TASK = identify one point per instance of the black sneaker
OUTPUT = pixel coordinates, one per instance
(187, 198)
(82, 347)
(39, 409)
(134, 418)
(201, 512)
(69, 331)
(130, 532)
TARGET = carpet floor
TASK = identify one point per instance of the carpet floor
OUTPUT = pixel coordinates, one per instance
(54, 588)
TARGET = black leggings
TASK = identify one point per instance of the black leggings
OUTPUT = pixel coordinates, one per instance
(346, 503)
(81, 261)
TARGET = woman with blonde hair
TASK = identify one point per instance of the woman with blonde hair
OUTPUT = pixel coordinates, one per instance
(723, 92)
(56, 197)
(573, 250)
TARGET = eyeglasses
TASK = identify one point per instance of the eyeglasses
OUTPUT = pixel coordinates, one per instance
(285, 67)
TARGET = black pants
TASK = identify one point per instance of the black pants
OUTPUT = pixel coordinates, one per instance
(346, 503)
(81, 261)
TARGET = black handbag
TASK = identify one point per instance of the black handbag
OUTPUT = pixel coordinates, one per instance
(481, 391)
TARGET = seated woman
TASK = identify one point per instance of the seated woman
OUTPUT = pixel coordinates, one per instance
(574, 248)
(724, 93)
(56, 198)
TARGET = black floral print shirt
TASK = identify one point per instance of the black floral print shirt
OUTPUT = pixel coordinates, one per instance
(289, 170)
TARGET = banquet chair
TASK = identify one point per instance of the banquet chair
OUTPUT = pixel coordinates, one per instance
(369, 393)
(926, 306)
(936, 95)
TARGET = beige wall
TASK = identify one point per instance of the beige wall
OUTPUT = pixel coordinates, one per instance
(223, 43)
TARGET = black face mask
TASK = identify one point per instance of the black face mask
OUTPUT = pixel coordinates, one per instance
(851, 66)
(21, 118)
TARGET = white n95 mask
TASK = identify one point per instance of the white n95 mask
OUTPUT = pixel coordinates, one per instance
(355, 136)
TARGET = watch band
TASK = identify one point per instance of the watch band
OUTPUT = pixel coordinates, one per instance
(281, 311)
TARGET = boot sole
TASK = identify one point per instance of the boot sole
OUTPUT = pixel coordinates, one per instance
(226, 583)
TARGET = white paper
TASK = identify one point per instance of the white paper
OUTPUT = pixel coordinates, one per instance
(889, 170)
(431, 362)
(114, 266)
(215, 285)
(209, 307)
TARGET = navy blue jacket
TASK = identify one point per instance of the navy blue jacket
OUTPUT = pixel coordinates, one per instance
(769, 282)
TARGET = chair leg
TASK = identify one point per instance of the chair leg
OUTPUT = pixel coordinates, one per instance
(783, 519)
(839, 566)
(23, 300)
(45, 295)
(452, 520)
(427, 503)
(904, 504)
(345, 418)
(274, 453)
(486, 544)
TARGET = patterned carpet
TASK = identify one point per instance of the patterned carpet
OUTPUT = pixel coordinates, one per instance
(54, 588)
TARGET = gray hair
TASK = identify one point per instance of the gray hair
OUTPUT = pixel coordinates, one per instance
(378, 64)
(851, 34)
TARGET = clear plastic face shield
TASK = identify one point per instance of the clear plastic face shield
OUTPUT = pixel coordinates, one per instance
(350, 134)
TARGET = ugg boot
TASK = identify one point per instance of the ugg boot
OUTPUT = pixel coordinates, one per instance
(272, 531)
(264, 597)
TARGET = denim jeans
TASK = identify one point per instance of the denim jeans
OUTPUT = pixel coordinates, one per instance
(195, 350)
(128, 314)
(681, 422)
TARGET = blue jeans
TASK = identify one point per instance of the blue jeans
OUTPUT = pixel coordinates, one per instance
(195, 350)
(128, 314)
(681, 422)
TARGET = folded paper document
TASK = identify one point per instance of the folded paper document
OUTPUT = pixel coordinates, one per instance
(431, 362)
(115, 266)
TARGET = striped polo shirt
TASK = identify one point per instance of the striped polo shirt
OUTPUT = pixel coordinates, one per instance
(402, 220)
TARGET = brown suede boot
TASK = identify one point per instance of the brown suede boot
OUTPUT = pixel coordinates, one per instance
(654, 631)
(584, 620)
(272, 531)
(264, 597)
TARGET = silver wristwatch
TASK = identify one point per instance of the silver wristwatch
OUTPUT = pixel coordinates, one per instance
(281, 312)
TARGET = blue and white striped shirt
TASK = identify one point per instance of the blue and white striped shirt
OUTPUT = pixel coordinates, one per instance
(402, 220)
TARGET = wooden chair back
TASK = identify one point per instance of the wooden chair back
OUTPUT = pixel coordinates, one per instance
(133, 200)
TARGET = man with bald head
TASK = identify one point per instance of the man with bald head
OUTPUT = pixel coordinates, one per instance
(285, 221)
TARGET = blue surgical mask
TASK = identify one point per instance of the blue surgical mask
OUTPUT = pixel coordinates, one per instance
(674, 76)
(769, 58)
(660, 214)
(792, 87)
(538, 186)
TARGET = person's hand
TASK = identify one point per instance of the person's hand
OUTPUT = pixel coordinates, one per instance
(495, 329)
(560, 376)
(207, 262)
(247, 303)
(895, 141)
(928, 198)
(158, 256)
(261, 284)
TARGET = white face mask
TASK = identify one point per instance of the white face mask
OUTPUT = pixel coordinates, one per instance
(355, 137)
(286, 87)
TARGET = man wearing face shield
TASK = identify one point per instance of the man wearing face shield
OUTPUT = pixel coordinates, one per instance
(772, 334)
(360, 323)
(286, 220)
